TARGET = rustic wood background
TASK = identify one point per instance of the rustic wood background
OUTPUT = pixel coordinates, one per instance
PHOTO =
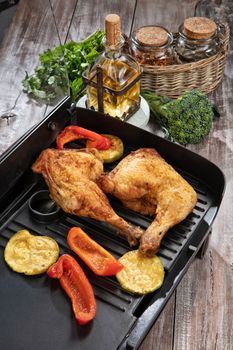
(199, 314)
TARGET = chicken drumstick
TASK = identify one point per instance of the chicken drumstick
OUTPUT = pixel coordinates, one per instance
(144, 182)
(70, 176)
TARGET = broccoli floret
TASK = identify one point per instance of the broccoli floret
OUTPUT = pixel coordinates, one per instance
(187, 119)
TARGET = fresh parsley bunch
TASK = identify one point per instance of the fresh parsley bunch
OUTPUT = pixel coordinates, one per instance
(60, 70)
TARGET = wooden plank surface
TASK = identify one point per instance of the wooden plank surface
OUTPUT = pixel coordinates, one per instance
(63, 15)
(199, 314)
(204, 299)
(32, 31)
(89, 16)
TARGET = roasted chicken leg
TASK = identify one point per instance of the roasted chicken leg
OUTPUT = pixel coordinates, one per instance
(144, 182)
(70, 176)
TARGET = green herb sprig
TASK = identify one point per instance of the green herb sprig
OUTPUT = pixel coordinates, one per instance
(60, 70)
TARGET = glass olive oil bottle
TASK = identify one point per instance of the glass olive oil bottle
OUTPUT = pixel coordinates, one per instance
(120, 74)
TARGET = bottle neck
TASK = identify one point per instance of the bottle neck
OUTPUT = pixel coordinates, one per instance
(113, 51)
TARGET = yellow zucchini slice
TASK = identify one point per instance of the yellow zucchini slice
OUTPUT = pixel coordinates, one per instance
(29, 254)
(112, 154)
(141, 274)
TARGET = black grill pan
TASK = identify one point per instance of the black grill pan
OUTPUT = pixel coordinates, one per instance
(35, 312)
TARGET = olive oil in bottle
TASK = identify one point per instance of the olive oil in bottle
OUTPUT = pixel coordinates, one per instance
(120, 74)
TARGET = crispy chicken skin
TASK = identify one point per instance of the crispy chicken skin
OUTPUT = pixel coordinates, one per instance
(70, 176)
(145, 183)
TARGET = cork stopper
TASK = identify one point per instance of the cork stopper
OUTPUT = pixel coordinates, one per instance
(199, 27)
(112, 29)
(152, 35)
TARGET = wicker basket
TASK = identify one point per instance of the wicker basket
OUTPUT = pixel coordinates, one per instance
(173, 80)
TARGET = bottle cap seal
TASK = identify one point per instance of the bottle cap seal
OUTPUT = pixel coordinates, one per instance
(199, 27)
(152, 36)
(112, 29)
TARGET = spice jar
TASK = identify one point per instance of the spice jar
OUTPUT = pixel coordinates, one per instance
(198, 38)
(152, 45)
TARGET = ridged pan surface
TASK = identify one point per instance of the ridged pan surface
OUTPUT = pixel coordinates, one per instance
(36, 313)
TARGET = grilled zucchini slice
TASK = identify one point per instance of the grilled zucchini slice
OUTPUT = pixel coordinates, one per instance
(112, 154)
(29, 254)
(141, 274)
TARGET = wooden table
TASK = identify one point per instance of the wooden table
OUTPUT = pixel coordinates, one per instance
(199, 314)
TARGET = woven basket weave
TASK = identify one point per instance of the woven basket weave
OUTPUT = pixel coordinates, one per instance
(175, 79)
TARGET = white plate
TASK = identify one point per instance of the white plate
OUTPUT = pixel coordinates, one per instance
(140, 118)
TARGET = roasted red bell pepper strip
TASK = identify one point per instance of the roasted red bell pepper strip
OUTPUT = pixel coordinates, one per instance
(98, 259)
(72, 132)
(77, 287)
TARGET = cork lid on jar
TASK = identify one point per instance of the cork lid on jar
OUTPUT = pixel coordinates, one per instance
(152, 36)
(199, 27)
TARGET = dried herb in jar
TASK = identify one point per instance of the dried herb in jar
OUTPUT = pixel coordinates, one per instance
(152, 45)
